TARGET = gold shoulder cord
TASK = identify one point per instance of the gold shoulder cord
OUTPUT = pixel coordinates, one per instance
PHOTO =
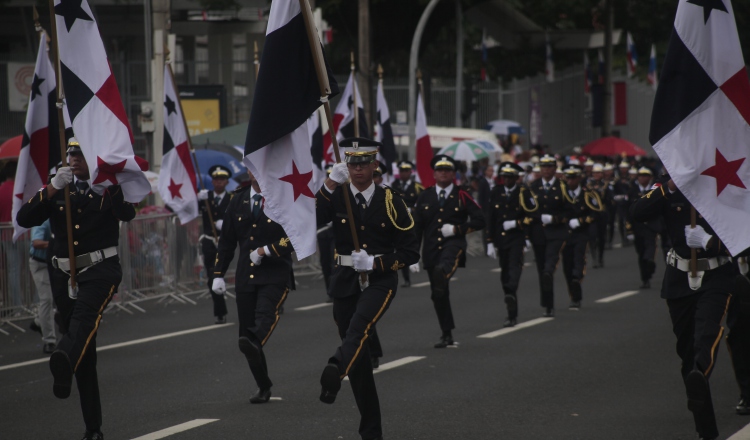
(523, 204)
(391, 211)
(566, 195)
(587, 197)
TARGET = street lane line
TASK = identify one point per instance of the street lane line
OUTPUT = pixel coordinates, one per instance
(427, 283)
(394, 364)
(520, 326)
(742, 434)
(312, 307)
(126, 344)
(276, 398)
(622, 295)
(176, 429)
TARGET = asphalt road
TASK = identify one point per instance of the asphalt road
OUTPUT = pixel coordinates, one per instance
(608, 371)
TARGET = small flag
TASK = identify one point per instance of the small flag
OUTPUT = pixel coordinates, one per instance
(424, 147)
(549, 70)
(652, 78)
(383, 132)
(343, 118)
(586, 74)
(632, 56)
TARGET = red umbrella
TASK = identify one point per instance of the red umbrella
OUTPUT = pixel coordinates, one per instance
(612, 146)
(11, 148)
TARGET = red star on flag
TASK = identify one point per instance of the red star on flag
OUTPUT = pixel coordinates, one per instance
(20, 196)
(300, 182)
(107, 171)
(725, 173)
(174, 189)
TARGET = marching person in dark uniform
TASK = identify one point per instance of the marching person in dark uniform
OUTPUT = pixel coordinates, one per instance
(218, 200)
(264, 276)
(506, 233)
(377, 175)
(611, 208)
(444, 215)
(585, 205)
(409, 189)
(549, 228)
(96, 232)
(363, 283)
(598, 229)
(696, 305)
(644, 232)
(620, 198)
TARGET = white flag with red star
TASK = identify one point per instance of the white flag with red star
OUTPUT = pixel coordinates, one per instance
(700, 125)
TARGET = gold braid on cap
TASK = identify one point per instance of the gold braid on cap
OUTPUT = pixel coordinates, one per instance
(523, 204)
(391, 211)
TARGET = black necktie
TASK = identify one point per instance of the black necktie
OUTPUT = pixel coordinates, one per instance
(256, 205)
(442, 197)
(546, 186)
(362, 204)
(82, 186)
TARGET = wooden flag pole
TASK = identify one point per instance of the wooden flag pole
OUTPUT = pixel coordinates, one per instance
(693, 252)
(63, 149)
(355, 104)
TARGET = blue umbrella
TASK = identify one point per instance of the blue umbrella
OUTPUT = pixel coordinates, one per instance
(208, 158)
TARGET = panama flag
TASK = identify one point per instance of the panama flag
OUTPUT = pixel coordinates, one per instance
(315, 130)
(652, 77)
(586, 74)
(699, 124)
(40, 147)
(343, 118)
(93, 100)
(177, 175)
(277, 147)
(632, 56)
(383, 132)
(424, 147)
(549, 70)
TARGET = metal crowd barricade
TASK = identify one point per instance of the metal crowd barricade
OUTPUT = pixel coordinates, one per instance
(17, 291)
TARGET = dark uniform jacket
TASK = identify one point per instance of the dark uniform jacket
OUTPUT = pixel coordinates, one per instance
(387, 230)
(502, 208)
(652, 226)
(606, 191)
(550, 202)
(460, 210)
(252, 233)
(217, 211)
(584, 208)
(96, 218)
(409, 191)
(675, 209)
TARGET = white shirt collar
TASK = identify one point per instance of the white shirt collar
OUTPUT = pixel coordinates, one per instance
(367, 194)
(643, 188)
(576, 191)
(448, 189)
(219, 196)
(510, 190)
(76, 180)
(551, 181)
(252, 192)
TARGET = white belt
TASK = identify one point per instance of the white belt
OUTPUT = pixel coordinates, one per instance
(703, 264)
(346, 260)
(85, 260)
(210, 237)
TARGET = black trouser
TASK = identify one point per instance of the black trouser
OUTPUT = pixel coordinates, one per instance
(326, 247)
(598, 237)
(611, 215)
(356, 316)
(738, 339)
(622, 218)
(696, 321)
(80, 321)
(547, 256)
(511, 266)
(574, 264)
(406, 273)
(440, 277)
(376, 350)
(258, 313)
(645, 247)
(209, 259)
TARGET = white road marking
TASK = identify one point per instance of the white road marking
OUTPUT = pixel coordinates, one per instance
(742, 434)
(427, 283)
(276, 398)
(622, 295)
(520, 326)
(176, 429)
(312, 307)
(394, 364)
(126, 344)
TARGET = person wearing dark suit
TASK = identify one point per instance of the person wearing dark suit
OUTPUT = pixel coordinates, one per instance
(409, 189)
(598, 228)
(444, 215)
(363, 283)
(621, 203)
(217, 201)
(549, 228)
(507, 234)
(644, 232)
(263, 280)
(96, 231)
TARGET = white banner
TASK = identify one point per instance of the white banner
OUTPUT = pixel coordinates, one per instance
(20, 77)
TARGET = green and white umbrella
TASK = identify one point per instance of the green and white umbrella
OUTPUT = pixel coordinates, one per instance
(467, 151)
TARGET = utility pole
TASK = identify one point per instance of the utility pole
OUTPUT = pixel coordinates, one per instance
(365, 77)
(607, 101)
(459, 62)
(160, 20)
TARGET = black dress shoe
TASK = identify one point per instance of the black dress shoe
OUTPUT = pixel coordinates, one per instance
(445, 341)
(221, 320)
(646, 285)
(62, 372)
(375, 362)
(510, 322)
(549, 312)
(34, 327)
(698, 393)
(250, 350)
(93, 435)
(743, 407)
(48, 348)
(261, 396)
(330, 381)
(575, 305)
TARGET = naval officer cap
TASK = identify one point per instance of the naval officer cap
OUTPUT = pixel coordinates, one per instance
(219, 172)
(572, 170)
(73, 146)
(547, 161)
(645, 171)
(380, 170)
(405, 165)
(359, 150)
(510, 169)
(443, 162)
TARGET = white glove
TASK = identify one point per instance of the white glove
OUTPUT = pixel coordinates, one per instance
(697, 237)
(414, 268)
(219, 224)
(527, 247)
(339, 173)
(63, 177)
(546, 219)
(509, 224)
(491, 251)
(219, 286)
(448, 231)
(203, 194)
(362, 261)
(255, 257)
(574, 223)
(630, 237)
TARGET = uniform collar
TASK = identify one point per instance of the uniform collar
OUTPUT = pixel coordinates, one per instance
(551, 181)
(576, 192)
(253, 193)
(510, 190)
(367, 194)
(448, 189)
(220, 196)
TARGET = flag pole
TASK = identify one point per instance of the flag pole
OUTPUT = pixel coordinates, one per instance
(61, 133)
(693, 252)
(355, 105)
(325, 91)
(199, 178)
